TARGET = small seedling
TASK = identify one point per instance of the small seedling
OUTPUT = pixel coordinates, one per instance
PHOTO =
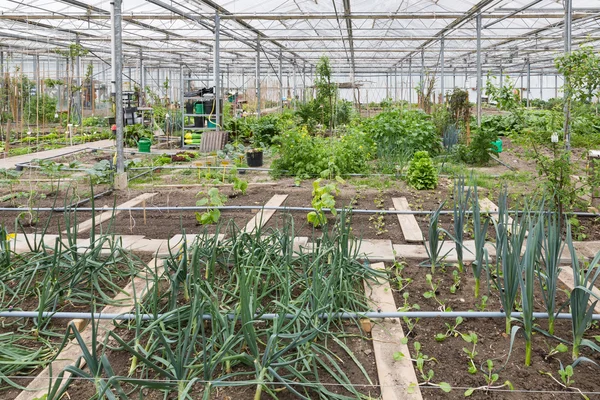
(471, 353)
(402, 282)
(490, 378)
(213, 199)
(450, 330)
(456, 281)
(432, 294)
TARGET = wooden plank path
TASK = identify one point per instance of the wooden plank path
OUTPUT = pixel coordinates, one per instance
(397, 379)
(11, 162)
(408, 223)
(104, 216)
(263, 216)
(140, 286)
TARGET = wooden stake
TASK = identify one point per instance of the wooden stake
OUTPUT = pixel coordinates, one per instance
(144, 206)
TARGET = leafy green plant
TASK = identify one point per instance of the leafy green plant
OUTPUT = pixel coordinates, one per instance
(133, 133)
(491, 378)
(410, 131)
(450, 330)
(213, 199)
(455, 281)
(420, 360)
(305, 156)
(422, 174)
(432, 293)
(471, 353)
(323, 197)
(240, 185)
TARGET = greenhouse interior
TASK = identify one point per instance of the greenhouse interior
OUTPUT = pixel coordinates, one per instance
(299, 199)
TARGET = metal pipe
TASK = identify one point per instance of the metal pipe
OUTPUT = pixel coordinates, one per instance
(272, 316)
(283, 208)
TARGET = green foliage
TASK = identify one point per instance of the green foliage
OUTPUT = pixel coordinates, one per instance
(323, 197)
(505, 96)
(307, 156)
(212, 199)
(480, 150)
(326, 92)
(581, 69)
(95, 121)
(133, 133)
(459, 107)
(240, 185)
(411, 131)
(422, 174)
(40, 107)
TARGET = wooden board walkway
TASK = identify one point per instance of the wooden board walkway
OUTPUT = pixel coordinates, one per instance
(408, 223)
(11, 162)
(397, 379)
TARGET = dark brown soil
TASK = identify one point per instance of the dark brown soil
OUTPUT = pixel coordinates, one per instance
(492, 343)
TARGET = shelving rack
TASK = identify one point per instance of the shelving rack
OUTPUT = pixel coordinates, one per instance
(208, 117)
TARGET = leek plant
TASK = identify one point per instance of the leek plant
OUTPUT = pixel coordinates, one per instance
(508, 257)
(461, 204)
(579, 301)
(527, 283)
(479, 234)
(434, 245)
(548, 270)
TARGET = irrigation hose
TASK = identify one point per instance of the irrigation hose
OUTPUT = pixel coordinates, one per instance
(266, 317)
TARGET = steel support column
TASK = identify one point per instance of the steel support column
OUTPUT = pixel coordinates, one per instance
(117, 71)
(479, 79)
(258, 76)
(567, 49)
(216, 73)
(410, 84)
(528, 81)
(442, 76)
(281, 80)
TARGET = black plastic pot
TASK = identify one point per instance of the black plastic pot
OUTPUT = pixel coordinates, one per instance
(254, 158)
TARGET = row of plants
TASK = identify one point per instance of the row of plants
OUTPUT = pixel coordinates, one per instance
(209, 299)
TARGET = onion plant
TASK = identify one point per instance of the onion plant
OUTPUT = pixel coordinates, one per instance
(579, 301)
(461, 204)
(479, 234)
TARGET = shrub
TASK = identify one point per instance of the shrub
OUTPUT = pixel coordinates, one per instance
(421, 172)
(306, 156)
(480, 150)
(410, 130)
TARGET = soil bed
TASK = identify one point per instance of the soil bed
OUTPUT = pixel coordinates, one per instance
(492, 341)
